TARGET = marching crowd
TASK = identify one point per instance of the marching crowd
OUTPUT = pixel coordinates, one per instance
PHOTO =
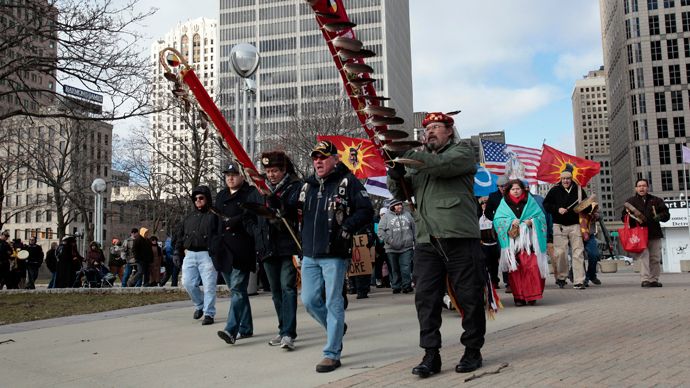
(446, 244)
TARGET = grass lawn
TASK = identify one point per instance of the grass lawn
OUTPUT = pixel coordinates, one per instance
(16, 308)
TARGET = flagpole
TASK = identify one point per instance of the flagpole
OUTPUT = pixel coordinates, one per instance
(687, 205)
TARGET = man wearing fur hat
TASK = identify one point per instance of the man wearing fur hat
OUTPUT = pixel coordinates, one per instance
(397, 230)
(447, 241)
(560, 202)
(281, 245)
(193, 242)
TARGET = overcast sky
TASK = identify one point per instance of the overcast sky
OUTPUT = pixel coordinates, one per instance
(508, 65)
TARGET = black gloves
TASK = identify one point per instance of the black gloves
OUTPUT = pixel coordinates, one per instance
(397, 172)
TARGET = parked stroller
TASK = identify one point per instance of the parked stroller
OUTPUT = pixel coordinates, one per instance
(97, 276)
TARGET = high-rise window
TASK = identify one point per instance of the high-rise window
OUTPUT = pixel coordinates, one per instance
(674, 74)
(631, 76)
(664, 154)
(682, 179)
(669, 3)
(655, 46)
(658, 75)
(630, 54)
(676, 100)
(660, 102)
(666, 181)
(685, 21)
(672, 48)
(654, 25)
(679, 126)
(686, 47)
(670, 22)
(652, 4)
(662, 128)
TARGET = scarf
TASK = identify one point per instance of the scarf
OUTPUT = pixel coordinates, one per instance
(531, 239)
(518, 199)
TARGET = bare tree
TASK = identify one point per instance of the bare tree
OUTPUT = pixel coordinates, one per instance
(53, 152)
(90, 43)
(333, 117)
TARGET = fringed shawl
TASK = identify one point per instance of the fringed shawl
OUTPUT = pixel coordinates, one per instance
(530, 239)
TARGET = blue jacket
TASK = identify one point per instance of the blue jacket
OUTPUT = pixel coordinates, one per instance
(322, 237)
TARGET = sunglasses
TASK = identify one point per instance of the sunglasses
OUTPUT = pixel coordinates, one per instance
(199, 198)
(319, 157)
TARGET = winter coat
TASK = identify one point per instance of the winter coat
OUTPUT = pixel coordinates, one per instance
(654, 209)
(443, 188)
(35, 258)
(51, 260)
(558, 197)
(321, 238)
(198, 229)
(142, 250)
(235, 247)
(276, 240)
(397, 231)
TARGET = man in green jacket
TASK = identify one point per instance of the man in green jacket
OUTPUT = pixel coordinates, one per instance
(448, 241)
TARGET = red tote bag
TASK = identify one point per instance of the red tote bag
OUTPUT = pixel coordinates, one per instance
(634, 240)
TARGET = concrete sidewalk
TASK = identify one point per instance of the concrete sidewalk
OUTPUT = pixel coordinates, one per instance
(615, 334)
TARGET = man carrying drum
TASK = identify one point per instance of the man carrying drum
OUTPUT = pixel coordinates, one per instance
(560, 203)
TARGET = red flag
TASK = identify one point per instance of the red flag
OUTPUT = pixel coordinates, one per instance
(553, 162)
(359, 155)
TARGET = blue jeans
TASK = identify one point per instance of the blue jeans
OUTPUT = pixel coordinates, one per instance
(282, 276)
(53, 275)
(128, 273)
(240, 312)
(592, 251)
(329, 274)
(198, 266)
(401, 276)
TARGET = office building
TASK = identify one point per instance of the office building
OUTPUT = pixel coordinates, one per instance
(177, 137)
(646, 60)
(590, 118)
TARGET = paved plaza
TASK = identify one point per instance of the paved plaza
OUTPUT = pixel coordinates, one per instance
(617, 334)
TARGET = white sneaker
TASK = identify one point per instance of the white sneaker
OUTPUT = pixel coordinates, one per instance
(287, 343)
(275, 341)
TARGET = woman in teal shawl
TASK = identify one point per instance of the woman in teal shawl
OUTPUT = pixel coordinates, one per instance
(521, 228)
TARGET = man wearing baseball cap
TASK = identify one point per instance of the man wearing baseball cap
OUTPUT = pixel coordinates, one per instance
(335, 206)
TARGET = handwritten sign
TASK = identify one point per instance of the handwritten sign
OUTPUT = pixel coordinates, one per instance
(362, 256)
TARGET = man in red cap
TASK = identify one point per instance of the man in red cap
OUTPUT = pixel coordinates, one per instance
(447, 241)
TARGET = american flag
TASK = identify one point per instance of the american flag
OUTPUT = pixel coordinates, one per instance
(497, 154)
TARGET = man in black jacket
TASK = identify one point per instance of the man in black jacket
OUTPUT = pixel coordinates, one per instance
(654, 210)
(143, 256)
(193, 240)
(235, 256)
(280, 244)
(335, 205)
(560, 202)
(33, 262)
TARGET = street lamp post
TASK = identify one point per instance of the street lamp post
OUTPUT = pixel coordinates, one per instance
(244, 60)
(98, 186)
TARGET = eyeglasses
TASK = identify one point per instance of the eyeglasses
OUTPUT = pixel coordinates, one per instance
(434, 126)
(199, 198)
(319, 157)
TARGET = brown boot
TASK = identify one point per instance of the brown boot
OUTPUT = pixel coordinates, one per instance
(327, 365)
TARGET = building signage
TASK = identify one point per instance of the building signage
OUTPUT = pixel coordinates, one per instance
(85, 94)
(679, 214)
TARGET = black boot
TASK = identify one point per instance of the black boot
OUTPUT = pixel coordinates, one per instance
(470, 361)
(431, 363)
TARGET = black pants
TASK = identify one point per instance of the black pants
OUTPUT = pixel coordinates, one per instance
(462, 261)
